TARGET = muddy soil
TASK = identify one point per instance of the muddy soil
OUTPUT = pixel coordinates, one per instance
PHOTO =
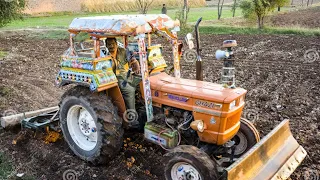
(281, 84)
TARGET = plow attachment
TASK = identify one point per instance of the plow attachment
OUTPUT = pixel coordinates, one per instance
(17, 118)
(275, 157)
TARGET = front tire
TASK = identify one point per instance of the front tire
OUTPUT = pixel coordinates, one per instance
(189, 162)
(90, 125)
(246, 137)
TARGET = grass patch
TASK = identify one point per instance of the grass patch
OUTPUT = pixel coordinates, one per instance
(4, 91)
(3, 54)
(63, 20)
(251, 30)
(6, 170)
(5, 167)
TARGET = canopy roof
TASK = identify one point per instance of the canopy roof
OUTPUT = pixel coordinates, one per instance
(124, 24)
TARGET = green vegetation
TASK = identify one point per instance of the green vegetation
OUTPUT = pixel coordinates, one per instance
(4, 91)
(250, 30)
(3, 54)
(260, 9)
(62, 20)
(6, 170)
(5, 167)
(10, 10)
(53, 26)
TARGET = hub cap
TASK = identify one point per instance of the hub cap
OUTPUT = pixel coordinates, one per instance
(82, 127)
(184, 171)
(241, 143)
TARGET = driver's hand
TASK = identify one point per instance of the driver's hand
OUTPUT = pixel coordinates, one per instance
(135, 66)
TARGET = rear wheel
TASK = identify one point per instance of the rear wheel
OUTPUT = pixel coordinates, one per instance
(246, 137)
(189, 163)
(90, 125)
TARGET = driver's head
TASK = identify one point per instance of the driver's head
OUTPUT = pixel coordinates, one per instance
(111, 44)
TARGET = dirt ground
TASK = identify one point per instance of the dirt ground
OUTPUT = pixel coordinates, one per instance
(281, 84)
(306, 18)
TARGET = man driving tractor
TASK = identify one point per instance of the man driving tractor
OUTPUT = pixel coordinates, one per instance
(120, 66)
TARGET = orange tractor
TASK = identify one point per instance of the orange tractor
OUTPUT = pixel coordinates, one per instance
(198, 122)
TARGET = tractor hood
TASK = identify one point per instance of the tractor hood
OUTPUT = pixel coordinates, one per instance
(195, 89)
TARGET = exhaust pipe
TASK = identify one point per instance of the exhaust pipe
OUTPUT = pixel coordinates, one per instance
(199, 70)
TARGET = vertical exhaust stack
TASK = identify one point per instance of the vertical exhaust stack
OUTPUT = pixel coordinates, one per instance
(199, 68)
(228, 70)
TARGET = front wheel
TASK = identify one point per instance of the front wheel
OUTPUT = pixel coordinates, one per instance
(90, 125)
(246, 137)
(189, 163)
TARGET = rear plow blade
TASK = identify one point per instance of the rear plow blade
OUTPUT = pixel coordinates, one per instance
(275, 157)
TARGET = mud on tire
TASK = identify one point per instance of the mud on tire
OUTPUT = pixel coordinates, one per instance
(191, 155)
(108, 124)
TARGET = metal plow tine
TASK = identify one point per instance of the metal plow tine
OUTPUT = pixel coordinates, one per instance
(275, 157)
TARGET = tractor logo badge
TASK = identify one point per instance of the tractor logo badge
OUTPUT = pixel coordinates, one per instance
(205, 104)
(212, 121)
(177, 98)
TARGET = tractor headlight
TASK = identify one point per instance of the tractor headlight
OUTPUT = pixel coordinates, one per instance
(232, 105)
(198, 125)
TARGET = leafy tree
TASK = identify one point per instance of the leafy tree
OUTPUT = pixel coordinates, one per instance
(10, 10)
(260, 9)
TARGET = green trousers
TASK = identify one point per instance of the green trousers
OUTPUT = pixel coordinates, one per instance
(129, 90)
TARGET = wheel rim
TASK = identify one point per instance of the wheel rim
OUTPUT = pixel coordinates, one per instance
(241, 143)
(82, 128)
(184, 171)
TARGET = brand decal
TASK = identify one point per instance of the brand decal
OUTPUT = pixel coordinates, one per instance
(158, 139)
(177, 98)
(205, 104)
(208, 104)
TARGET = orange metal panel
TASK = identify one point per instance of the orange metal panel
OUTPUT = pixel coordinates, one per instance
(206, 100)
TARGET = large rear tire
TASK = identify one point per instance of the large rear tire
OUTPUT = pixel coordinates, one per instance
(90, 125)
(188, 162)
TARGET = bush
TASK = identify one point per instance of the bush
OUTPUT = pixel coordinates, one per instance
(247, 9)
(260, 9)
(10, 10)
